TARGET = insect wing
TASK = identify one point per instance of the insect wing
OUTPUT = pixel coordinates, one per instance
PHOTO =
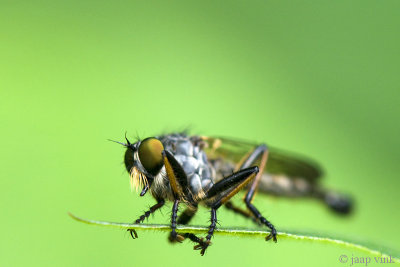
(279, 161)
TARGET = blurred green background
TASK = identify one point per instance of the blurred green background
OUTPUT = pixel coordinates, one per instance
(316, 77)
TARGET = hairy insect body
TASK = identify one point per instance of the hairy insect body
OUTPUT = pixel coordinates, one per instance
(189, 154)
(193, 170)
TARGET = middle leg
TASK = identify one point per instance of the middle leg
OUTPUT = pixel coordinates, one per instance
(221, 193)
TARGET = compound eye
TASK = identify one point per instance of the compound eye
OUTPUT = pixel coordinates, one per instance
(150, 156)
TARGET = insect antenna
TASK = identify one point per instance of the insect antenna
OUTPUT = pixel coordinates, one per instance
(127, 141)
(125, 145)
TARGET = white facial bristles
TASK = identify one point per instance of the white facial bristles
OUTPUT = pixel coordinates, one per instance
(137, 179)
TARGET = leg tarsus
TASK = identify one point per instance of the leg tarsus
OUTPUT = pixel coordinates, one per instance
(211, 229)
(272, 235)
(264, 221)
(260, 151)
(194, 238)
(133, 233)
(184, 218)
(200, 241)
(174, 235)
(203, 246)
(152, 209)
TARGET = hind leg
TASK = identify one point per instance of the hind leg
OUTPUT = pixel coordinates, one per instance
(260, 152)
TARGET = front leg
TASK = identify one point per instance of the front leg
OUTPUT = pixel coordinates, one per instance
(180, 189)
(152, 209)
(174, 235)
(184, 219)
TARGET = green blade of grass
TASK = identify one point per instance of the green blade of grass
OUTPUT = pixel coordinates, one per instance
(369, 248)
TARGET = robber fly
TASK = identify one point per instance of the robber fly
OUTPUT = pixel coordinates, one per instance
(193, 170)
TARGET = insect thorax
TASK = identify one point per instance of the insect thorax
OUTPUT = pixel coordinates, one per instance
(188, 152)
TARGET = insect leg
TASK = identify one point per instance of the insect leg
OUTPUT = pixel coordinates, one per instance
(187, 215)
(204, 245)
(184, 218)
(176, 175)
(174, 235)
(178, 181)
(226, 189)
(160, 203)
(262, 151)
(235, 179)
(247, 160)
(245, 213)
